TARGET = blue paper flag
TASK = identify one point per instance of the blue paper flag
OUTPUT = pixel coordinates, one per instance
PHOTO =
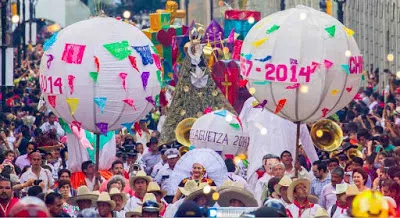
(145, 53)
(264, 59)
(248, 56)
(221, 113)
(47, 45)
(128, 126)
(101, 103)
(346, 68)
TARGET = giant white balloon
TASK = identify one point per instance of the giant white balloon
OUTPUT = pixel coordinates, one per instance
(100, 74)
(301, 64)
(221, 131)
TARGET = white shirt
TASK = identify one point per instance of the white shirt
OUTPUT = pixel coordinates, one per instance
(163, 178)
(120, 214)
(338, 212)
(372, 106)
(143, 139)
(307, 213)
(261, 187)
(235, 178)
(44, 175)
(47, 127)
(303, 174)
(90, 183)
(55, 168)
(157, 168)
(132, 203)
(161, 122)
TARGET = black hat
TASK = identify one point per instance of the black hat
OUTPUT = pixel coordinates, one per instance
(162, 148)
(132, 153)
(150, 206)
(153, 140)
(188, 209)
(175, 144)
(270, 156)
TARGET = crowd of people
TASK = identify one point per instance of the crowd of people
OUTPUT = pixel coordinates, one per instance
(35, 179)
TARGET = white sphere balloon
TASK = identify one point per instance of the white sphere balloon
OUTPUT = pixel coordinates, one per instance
(100, 74)
(221, 131)
(301, 64)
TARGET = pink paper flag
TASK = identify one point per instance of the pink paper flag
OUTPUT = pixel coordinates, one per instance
(71, 79)
(295, 86)
(231, 37)
(207, 110)
(157, 61)
(130, 102)
(123, 76)
(52, 100)
(51, 58)
(328, 64)
(132, 59)
(324, 112)
(73, 53)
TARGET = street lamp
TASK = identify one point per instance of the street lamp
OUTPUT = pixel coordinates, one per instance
(340, 9)
(126, 14)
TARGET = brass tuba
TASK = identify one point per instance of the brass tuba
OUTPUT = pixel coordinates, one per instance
(183, 150)
(182, 131)
(354, 152)
(326, 135)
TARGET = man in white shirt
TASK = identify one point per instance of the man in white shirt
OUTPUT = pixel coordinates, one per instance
(163, 177)
(374, 102)
(340, 207)
(144, 135)
(328, 198)
(281, 189)
(90, 175)
(37, 172)
(52, 125)
(264, 173)
(290, 170)
(298, 193)
(139, 184)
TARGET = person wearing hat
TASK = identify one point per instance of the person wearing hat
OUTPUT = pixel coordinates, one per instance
(201, 195)
(298, 193)
(137, 213)
(84, 198)
(351, 192)
(150, 207)
(260, 187)
(268, 160)
(336, 210)
(328, 198)
(162, 177)
(139, 184)
(154, 188)
(188, 209)
(281, 189)
(133, 164)
(162, 148)
(152, 157)
(105, 205)
(120, 200)
(233, 194)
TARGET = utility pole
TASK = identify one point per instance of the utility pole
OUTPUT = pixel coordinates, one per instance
(4, 4)
(30, 20)
(24, 28)
(283, 6)
(19, 36)
(340, 9)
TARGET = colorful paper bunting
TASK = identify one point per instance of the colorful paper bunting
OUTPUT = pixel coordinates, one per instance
(52, 100)
(280, 106)
(273, 29)
(349, 32)
(331, 30)
(64, 125)
(73, 53)
(72, 104)
(349, 89)
(293, 61)
(77, 124)
(101, 103)
(261, 82)
(51, 58)
(130, 102)
(123, 76)
(267, 58)
(346, 68)
(145, 79)
(145, 53)
(235, 125)
(103, 127)
(71, 79)
(221, 113)
(157, 61)
(154, 49)
(119, 50)
(49, 43)
(261, 105)
(207, 110)
(324, 112)
(132, 59)
(242, 83)
(231, 37)
(259, 42)
(248, 56)
(328, 64)
(97, 62)
(128, 126)
(150, 100)
(159, 77)
(94, 76)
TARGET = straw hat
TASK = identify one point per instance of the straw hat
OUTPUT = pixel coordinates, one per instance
(293, 185)
(116, 191)
(195, 191)
(190, 187)
(352, 190)
(83, 193)
(285, 182)
(313, 199)
(154, 187)
(321, 213)
(139, 175)
(236, 191)
(105, 198)
(229, 184)
(150, 203)
(136, 212)
(340, 189)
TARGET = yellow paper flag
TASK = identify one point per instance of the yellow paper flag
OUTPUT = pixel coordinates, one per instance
(349, 32)
(258, 43)
(334, 92)
(73, 104)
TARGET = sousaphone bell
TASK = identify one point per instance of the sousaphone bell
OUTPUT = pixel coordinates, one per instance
(182, 131)
(326, 135)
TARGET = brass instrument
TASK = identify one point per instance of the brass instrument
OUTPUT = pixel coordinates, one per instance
(354, 152)
(326, 135)
(334, 154)
(183, 150)
(182, 131)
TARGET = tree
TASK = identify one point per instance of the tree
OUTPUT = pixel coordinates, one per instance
(191, 101)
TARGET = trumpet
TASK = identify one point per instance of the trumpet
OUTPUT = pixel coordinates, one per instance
(134, 169)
